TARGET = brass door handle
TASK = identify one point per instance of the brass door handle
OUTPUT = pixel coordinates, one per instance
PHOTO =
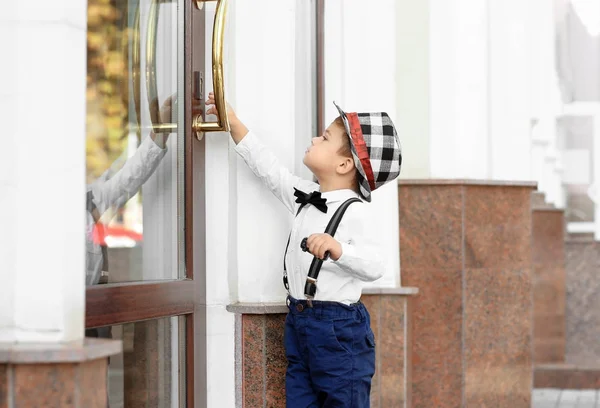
(222, 125)
(198, 124)
(151, 86)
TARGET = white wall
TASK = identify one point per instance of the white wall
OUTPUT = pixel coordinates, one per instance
(246, 226)
(360, 75)
(265, 99)
(42, 100)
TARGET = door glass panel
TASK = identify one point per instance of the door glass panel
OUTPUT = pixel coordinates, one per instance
(150, 372)
(134, 151)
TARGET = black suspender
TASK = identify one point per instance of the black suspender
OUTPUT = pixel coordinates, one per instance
(315, 267)
(310, 288)
(285, 279)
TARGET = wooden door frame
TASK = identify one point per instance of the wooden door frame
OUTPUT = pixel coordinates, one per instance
(121, 303)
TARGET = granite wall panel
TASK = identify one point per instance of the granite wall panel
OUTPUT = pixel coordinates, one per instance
(473, 318)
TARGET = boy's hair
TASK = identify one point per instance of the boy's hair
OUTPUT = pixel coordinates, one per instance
(345, 150)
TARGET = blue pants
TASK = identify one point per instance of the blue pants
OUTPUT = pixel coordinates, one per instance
(330, 350)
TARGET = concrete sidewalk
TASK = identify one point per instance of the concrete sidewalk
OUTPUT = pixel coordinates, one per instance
(555, 398)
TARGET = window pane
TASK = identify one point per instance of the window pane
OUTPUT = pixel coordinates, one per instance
(150, 371)
(133, 150)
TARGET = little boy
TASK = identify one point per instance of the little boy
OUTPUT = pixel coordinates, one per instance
(329, 344)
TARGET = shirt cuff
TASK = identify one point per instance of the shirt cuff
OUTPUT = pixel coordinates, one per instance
(348, 252)
(149, 148)
(246, 145)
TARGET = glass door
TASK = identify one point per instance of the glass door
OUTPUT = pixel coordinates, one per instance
(145, 268)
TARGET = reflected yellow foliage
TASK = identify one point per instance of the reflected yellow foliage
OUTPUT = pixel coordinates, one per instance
(108, 51)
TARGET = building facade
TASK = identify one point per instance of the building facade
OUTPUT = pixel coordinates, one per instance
(176, 227)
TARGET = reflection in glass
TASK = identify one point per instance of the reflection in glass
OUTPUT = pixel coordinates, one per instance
(132, 199)
(150, 371)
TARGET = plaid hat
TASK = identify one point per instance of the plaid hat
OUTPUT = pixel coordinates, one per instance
(375, 147)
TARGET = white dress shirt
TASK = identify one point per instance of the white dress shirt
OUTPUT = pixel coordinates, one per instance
(115, 191)
(341, 280)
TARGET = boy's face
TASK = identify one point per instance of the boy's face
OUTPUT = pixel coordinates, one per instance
(323, 156)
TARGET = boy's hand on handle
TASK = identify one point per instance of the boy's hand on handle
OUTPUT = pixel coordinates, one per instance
(213, 109)
(319, 244)
(238, 130)
(167, 114)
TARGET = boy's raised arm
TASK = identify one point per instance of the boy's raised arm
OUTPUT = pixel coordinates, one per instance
(263, 163)
(128, 180)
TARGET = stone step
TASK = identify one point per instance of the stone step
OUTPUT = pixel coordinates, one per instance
(567, 376)
(538, 201)
(549, 287)
(580, 237)
(538, 198)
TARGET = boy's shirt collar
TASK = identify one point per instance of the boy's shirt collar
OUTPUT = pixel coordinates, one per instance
(338, 195)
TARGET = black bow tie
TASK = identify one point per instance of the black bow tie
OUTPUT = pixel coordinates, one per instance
(313, 198)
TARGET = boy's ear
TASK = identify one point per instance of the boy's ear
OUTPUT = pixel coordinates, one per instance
(346, 166)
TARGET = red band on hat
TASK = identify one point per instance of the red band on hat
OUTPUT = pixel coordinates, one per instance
(361, 147)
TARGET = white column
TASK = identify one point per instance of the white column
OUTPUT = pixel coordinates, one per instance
(459, 89)
(509, 105)
(546, 103)
(442, 88)
(412, 86)
(42, 167)
(361, 81)
(537, 60)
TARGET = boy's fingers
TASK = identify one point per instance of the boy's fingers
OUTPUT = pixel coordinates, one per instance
(320, 252)
(326, 247)
(320, 249)
(318, 244)
(314, 248)
(313, 241)
(310, 244)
